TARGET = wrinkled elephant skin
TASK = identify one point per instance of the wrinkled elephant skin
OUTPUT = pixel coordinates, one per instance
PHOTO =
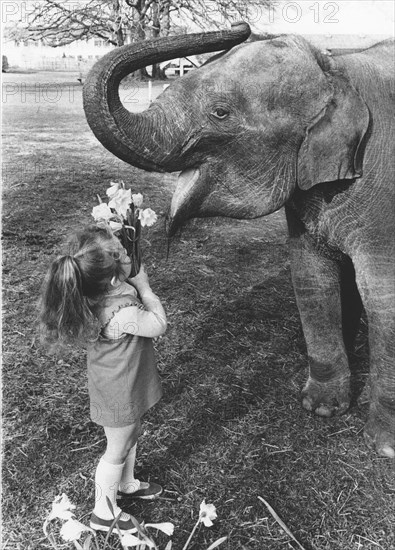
(274, 123)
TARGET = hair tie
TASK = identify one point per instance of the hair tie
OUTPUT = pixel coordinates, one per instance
(75, 263)
(68, 257)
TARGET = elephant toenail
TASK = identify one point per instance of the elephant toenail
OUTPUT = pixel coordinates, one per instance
(307, 404)
(387, 451)
(323, 411)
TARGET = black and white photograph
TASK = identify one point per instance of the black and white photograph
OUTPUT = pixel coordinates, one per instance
(198, 277)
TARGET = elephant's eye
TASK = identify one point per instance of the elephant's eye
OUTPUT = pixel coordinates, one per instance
(220, 113)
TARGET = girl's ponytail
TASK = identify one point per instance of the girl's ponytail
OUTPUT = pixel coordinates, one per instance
(75, 285)
(65, 315)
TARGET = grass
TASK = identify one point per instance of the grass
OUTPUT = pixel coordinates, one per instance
(230, 426)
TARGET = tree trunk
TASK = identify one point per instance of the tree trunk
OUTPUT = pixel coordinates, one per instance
(117, 22)
(165, 19)
(137, 36)
(157, 73)
(142, 73)
(163, 26)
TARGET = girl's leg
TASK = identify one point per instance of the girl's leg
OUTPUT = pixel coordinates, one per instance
(128, 483)
(120, 441)
(130, 487)
(107, 478)
(110, 468)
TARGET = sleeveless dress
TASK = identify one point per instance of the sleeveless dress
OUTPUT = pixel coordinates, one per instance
(123, 380)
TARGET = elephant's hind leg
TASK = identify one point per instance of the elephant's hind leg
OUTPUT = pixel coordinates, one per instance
(317, 284)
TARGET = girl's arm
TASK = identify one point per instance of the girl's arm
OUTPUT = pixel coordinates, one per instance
(150, 322)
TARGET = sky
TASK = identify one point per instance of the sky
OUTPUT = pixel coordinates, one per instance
(362, 17)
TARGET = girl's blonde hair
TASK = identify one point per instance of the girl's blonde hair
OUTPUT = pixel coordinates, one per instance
(74, 285)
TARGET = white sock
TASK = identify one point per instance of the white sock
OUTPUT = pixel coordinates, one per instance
(128, 483)
(107, 479)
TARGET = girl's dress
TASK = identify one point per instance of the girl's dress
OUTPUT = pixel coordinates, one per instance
(123, 380)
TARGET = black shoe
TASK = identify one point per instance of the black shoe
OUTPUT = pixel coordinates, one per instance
(149, 493)
(99, 524)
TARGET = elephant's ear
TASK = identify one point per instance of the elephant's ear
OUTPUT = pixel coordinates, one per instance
(332, 149)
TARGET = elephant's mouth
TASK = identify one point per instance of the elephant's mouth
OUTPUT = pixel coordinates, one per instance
(187, 198)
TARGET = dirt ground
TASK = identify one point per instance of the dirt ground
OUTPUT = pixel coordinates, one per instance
(229, 427)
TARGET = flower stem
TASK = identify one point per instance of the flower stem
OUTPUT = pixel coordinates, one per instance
(191, 535)
(52, 541)
(49, 535)
(96, 541)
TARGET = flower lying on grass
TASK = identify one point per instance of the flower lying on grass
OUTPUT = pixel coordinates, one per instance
(125, 216)
(72, 529)
(207, 514)
(61, 508)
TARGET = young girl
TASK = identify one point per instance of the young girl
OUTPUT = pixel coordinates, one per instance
(87, 296)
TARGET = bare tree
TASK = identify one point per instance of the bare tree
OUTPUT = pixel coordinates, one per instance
(58, 23)
(119, 22)
(216, 13)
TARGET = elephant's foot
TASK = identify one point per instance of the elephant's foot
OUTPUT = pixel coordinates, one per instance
(380, 434)
(327, 398)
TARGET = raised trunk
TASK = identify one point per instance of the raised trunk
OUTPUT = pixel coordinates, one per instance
(141, 139)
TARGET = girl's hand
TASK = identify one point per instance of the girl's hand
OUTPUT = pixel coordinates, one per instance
(141, 281)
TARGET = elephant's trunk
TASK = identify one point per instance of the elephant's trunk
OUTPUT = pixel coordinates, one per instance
(141, 139)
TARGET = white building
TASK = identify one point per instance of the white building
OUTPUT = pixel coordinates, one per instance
(36, 55)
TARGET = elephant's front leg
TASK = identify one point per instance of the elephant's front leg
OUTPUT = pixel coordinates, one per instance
(375, 278)
(317, 281)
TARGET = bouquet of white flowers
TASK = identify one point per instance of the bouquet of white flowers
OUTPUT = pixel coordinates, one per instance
(125, 216)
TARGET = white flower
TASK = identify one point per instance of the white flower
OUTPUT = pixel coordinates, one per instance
(130, 540)
(61, 507)
(111, 191)
(147, 217)
(207, 514)
(137, 200)
(120, 201)
(115, 226)
(101, 212)
(166, 527)
(72, 530)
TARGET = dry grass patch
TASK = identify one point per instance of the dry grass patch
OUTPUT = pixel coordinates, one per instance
(230, 426)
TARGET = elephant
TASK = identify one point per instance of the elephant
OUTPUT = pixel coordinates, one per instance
(273, 122)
